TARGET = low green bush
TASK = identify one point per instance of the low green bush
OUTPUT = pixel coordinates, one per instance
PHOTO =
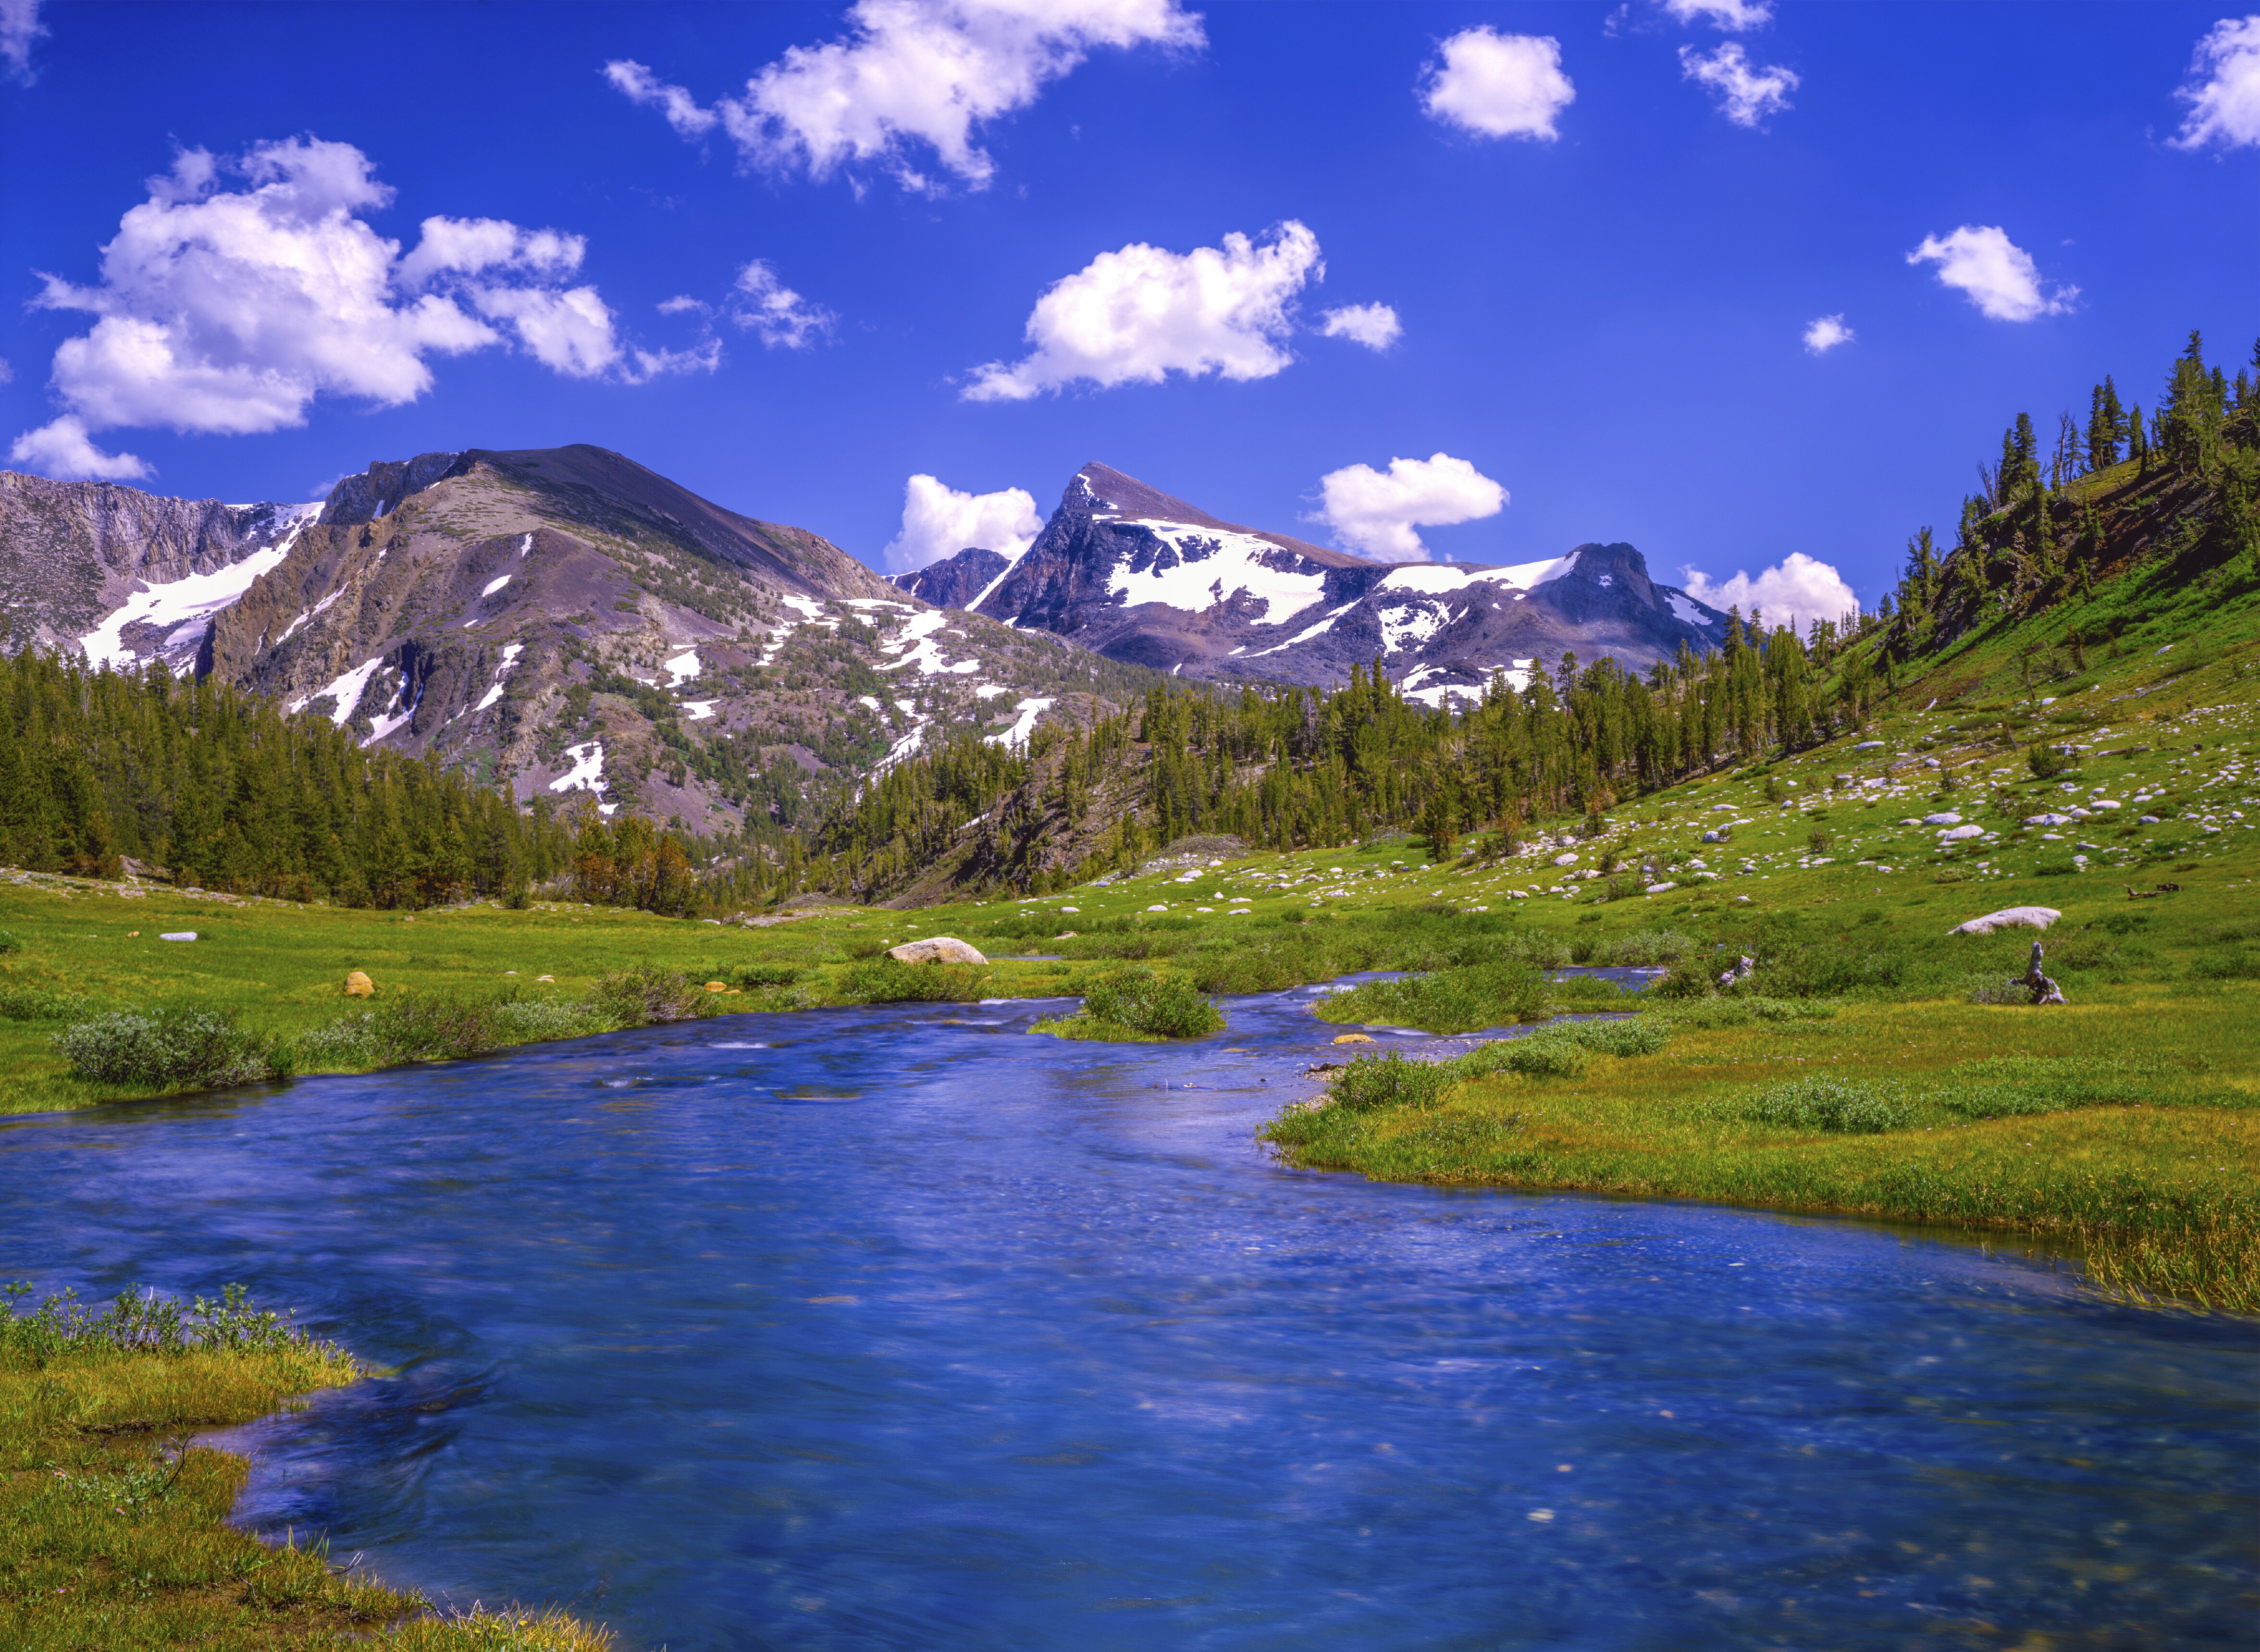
(9, 943)
(1148, 1001)
(1821, 1103)
(1392, 1081)
(38, 1004)
(884, 981)
(2013, 1086)
(1451, 1000)
(524, 1020)
(171, 1049)
(649, 997)
(1646, 947)
(141, 1321)
(2238, 964)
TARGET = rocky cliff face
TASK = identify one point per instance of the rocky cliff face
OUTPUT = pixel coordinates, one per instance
(562, 620)
(955, 581)
(1140, 576)
(72, 555)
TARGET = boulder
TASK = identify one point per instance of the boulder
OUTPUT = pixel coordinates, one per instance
(1961, 833)
(936, 949)
(359, 985)
(180, 934)
(1354, 1038)
(1947, 818)
(2009, 917)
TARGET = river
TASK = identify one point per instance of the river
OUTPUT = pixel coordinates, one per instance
(896, 1328)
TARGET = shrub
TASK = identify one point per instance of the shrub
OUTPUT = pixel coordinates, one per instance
(1148, 1001)
(1688, 979)
(1823, 972)
(1644, 947)
(548, 1018)
(37, 1003)
(141, 1321)
(1392, 1081)
(2012, 1086)
(1460, 1000)
(1819, 1102)
(518, 898)
(2235, 965)
(1544, 1056)
(883, 981)
(1820, 839)
(646, 996)
(2045, 761)
(760, 975)
(9, 943)
(1614, 1037)
(414, 1026)
(172, 1049)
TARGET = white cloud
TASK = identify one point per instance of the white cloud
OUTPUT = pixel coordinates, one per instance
(1731, 16)
(1826, 333)
(938, 521)
(1797, 590)
(1375, 327)
(62, 448)
(228, 311)
(1498, 85)
(2225, 108)
(19, 28)
(1137, 315)
(1998, 276)
(1374, 513)
(1746, 96)
(913, 72)
(779, 315)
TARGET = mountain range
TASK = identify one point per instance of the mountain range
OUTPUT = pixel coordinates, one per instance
(565, 620)
(1135, 575)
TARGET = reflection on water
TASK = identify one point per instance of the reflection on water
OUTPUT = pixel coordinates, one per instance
(898, 1328)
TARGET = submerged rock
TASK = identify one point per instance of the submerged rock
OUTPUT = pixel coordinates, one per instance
(936, 949)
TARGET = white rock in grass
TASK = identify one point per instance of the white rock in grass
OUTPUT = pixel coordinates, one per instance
(180, 934)
(2009, 917)
(1948, 818)
(1962, 833)
(936, 949)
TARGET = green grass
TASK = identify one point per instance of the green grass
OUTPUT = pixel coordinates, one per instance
(113, 1524)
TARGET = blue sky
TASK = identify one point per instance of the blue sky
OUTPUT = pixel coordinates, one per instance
(1596, 270)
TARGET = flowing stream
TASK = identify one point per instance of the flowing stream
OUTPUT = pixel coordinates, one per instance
(896, 1328)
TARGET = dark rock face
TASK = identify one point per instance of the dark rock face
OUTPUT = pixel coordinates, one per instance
(954, 581)
(1145, 578)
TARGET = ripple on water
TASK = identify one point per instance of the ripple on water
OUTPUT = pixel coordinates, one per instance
(866, 1334)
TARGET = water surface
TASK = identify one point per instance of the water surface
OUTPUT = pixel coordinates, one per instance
(898, 1328)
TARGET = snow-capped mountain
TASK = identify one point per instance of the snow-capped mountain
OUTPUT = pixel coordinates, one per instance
(1142, 578)
(563, 620)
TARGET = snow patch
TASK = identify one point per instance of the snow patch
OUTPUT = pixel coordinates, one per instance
(1211, 566)
(683, 667)
(1018, 734)
(587, 773)
(989, 691)
(185, 605)
(1306, 634)
(494, 586)
(1684, 610)
(346, 689)
(699, 710)
(1443, 579)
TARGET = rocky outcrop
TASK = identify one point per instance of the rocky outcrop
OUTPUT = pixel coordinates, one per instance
(2009, 917)
(1138, 575)
(73, 553)
(954, 581)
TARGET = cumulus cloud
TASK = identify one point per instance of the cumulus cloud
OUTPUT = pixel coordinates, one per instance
(774, 312)
(1826, 333)
(1733, 16)
(1375, 327)
(1375, 513)
(938, 521)
(1135, 316)
(1996, 274)
(1796, 592)
(19, 29)
(1746, 96)
(913, 73)
(228, 311)
(1498, 85)
(61, 447)
(2223, 92)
